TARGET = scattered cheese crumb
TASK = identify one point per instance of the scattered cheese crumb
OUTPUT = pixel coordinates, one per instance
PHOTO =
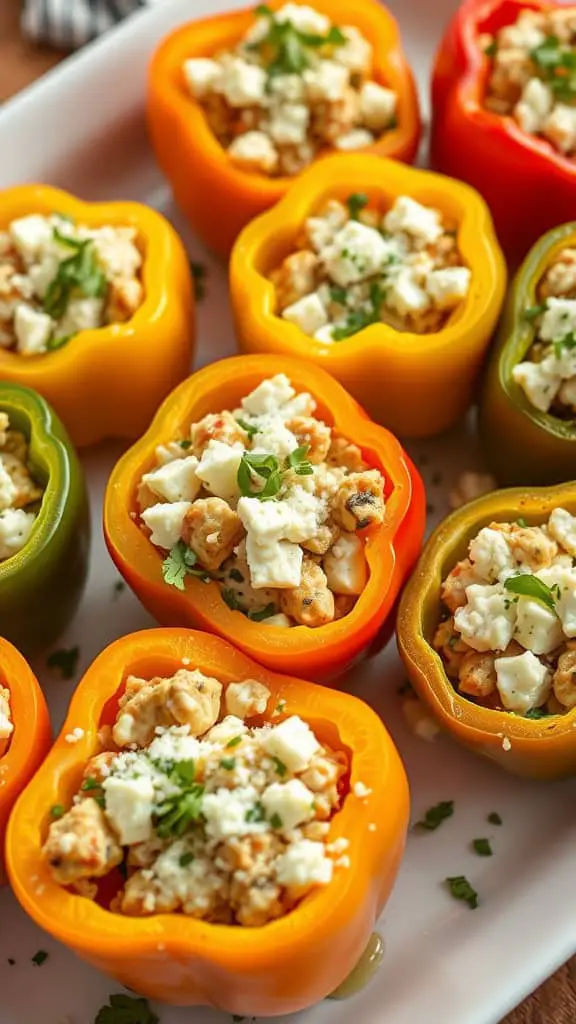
(75, 736)
(361, 791)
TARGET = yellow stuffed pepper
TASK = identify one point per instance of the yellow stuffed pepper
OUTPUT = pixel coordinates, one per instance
(97, 308)
(388, 277)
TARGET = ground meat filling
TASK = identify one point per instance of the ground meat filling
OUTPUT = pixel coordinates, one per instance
(207, 814)
(58, 278)
(508, 636)
(269, 502)
(295, 84)
(547, 375)
(358, 264)
(20, 495)
(532, 77)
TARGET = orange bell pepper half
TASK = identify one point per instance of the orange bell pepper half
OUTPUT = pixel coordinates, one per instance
(108, 382)
(280, 967)
(391, 549)
(22, 753)
(529, 186)
(218, 198)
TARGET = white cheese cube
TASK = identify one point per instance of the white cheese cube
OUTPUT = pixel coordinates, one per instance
(490, 555)
(32, 330)
(43, 273)
(228, 729)
(254, 151)
(218, 469)
(558, 320)
(423, 223)
(534, 105)
(538, 383)
(377, 106)
(8, 489)
(304, 19)
(31, 235)
(562, 527)
(357, 252)
(289, 124)
(357, 138)
(522, 34)
(304, 863)
(307, 313)
(356, 52)
(345, 565)
(563, 580)
(295, 518)
(274, 437)
(267, 398)
(292, 742)
(321, 230)
(404, 294)
(560, 127)
(165, 522)
(486, 622)
(15, 529)
(242, 84)
(328, 81)
(81, 315)
(280, 620)
(247, 698)
(538, 628)
(292, 802)
(175, 480)
(448, 286)
(288, 88)
(117, 252)
(325, 334)
(225, 812)
(129, 805)
(169, 452)
(274, 564)
(523, 682)
(201, 75)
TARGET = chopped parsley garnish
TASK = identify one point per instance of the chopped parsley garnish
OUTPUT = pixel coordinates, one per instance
(198, 279)
(94, 787)
(297, 461)
(287, 45)
(436, 815)
(186, 859)
(279, 766)
(180, 563)
(234, 741)
(482, 847)
(126, 1010)
(65, 661)
(492, 49)
(355, 203)
(494, 818)
(249, 428)
(57, 811)
(533, 312)
(567, 343)
(175, 816)
(361, 318)
(54, 342)
(79, 272)
(259, 476)
(276, 820)
(557, 66)
(527, 585)
(40, 957)
(537, 713)
(338, 294)
(521, 522)
(256, 813)
(263, 613)
(461, 889)
(185, 443)
(229, 763)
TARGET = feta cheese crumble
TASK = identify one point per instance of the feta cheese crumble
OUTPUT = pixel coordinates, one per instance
(361, 265)
(20, 495)
(209, 814)
(269, 502)
(295, 84)
(6, 725)
(508, 637)
(58, 278)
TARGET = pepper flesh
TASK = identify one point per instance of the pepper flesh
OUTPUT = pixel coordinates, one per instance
(391, 550)
(415, 384)
(174, 958)
(30, 739)
(108, 382)
(521, 444)
(218, 198)
(54, 560)
(542, 748)
(528, 185)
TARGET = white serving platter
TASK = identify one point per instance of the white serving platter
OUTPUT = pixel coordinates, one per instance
(82, 128)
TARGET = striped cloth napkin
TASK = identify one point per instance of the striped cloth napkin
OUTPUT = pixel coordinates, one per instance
(69, 24)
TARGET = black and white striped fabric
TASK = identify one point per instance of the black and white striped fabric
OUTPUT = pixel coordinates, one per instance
(69, 24)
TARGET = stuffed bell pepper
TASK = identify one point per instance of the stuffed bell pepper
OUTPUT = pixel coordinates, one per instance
(44, 523)
(96, 308)
(389, 278)
(528, 405)
(24, 731)
(504, 112)
(218, 835)
(487, 628)
(239, 104)
(264, 506)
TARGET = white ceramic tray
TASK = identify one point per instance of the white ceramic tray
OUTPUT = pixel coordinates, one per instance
(82, 128)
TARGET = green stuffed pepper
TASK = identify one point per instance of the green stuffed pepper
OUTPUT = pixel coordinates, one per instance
(44, 521)
(528, 401)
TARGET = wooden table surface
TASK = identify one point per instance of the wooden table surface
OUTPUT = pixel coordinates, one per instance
(21, 63)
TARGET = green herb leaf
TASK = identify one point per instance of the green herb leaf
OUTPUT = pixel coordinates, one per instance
(461, 889)
(67, 241)
(436, 815)
(359, 319)
(230, 597)
(522, 522)
(185, 771)
(260, 614)
(482, 847)
(79, 273)
(65, 661)
(537, 713)
(234, 741)
(55, 343)
(228, 763)
(249, 428)
(186, 859)
(255, 813)
(267, 471)
(40, 957)
(533, 312)
(262, 11)
(355, 203)
(126, 1010)
(175, 816)
(527, 585)
(338, 294)
(494, 818)
(567, 343)
(181, 562)
(276, 820)
(57, 811)
(279, 766)
(89, 784)
(492, 49)
(297, 460)
(185, 443)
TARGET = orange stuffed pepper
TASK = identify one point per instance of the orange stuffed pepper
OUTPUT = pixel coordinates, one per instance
(99, 308)
(264, 506)
(238, 104)
(24, 730)
(389, 277)
(245, 829)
